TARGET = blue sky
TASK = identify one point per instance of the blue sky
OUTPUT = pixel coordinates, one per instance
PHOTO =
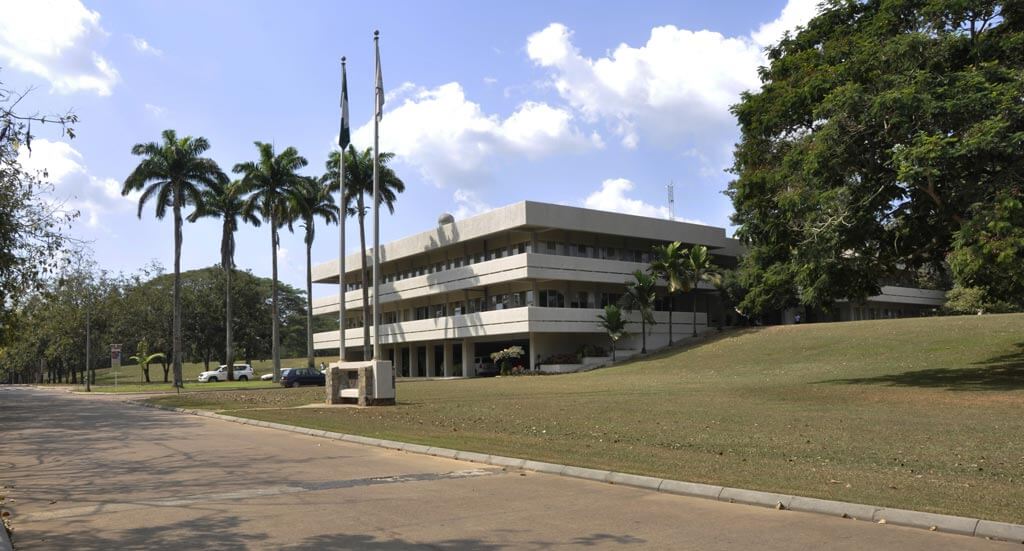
(582, 103)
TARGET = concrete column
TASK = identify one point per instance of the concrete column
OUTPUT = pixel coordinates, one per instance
(414, 360)
(430, 360)
(447, 369)
(468, 351)
(533, 353)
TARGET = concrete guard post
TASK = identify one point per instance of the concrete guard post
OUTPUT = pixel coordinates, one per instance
(375, 383)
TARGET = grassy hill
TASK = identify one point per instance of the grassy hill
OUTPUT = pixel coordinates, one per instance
(924, 414)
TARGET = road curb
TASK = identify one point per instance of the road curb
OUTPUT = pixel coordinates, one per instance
(854, 511)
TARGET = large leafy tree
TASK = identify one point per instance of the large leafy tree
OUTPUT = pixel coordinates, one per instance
(313, 200)
(225, 202)
(640, 296)
(173, 173)
(989, 252)
(877, 131)
(272, 181)
(32, 225)
(359, 192)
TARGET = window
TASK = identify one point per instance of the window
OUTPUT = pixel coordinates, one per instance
(422, 313)
(440, 311)
(552, 299)
(581, 299)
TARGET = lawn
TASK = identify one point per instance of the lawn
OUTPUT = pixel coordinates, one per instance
(924, 414)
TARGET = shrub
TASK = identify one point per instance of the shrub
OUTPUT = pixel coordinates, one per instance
(562, 359)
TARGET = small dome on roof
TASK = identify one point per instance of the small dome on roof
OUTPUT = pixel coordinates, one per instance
(445, 218)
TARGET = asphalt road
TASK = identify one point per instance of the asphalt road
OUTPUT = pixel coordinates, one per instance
(92, 473)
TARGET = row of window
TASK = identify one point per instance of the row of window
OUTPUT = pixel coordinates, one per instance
(545, 247)
(549, 298)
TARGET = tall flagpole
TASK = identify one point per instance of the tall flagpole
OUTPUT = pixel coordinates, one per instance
(378, 112)
(343, 139)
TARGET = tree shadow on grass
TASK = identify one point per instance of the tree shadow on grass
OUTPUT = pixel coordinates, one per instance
(999, 373)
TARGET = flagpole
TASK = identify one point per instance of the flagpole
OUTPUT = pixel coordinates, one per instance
(378, 108)
(342, 217)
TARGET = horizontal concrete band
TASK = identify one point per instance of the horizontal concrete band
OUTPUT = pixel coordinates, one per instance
(902, 517)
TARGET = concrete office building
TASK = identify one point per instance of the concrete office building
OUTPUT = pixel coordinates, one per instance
(531, 274)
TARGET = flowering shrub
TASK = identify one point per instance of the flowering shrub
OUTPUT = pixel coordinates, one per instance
(502, 357)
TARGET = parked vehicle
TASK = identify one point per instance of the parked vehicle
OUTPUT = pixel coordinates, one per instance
(243, 372)
(485, 367)
(270, 376)
(305, 376)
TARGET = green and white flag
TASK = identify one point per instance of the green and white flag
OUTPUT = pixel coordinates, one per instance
(379, 91)
(344, 135)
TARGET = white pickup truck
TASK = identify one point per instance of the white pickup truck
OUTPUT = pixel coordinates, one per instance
(243, 372)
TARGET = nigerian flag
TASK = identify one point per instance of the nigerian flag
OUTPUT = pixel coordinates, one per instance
(344, 134)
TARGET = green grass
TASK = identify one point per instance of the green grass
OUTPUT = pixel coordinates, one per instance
(924, 414)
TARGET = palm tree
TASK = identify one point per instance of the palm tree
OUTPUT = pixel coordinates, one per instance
(314, 199)
(144, 358)
(640, 295)
(668, 265)
(272, 181)
(358, 185)
(175, 173)
(614, 323)
(697, 267)
(225, 201)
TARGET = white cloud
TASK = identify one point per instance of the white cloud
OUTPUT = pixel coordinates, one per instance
(144, 47)
(158, 112)
(796, 13)
(56, 40)
(490, 80)
(468, 203)
(453, 142)
(680, 83)
(62, 166)
(612, 197)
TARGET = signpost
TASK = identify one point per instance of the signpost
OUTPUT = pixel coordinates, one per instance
(115, 361)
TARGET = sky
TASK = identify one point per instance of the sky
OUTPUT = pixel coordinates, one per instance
(583, 103)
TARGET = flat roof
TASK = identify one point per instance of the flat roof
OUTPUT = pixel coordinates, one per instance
(531, 216)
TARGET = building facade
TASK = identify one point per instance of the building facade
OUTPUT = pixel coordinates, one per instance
(530, 274)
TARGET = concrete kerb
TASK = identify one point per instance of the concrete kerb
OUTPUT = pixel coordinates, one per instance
(856, 511)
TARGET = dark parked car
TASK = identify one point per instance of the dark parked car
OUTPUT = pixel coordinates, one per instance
(305, 376)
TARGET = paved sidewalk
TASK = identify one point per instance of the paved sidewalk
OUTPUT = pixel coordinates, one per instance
(92, 473)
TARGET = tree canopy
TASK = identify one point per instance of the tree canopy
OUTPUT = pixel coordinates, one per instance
(881, 131)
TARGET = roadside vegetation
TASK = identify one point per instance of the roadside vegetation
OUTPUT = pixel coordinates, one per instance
(914, 413)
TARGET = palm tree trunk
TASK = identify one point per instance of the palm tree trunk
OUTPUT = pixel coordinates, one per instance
(229, 344)
(643, 334)
(176, 346)
(309, 302)
(275, 351)
(693, 320)
(671, 304)
(366, 292)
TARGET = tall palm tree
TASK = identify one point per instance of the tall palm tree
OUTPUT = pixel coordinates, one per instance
(614, 323)
(358, 186)
(271, 181)
(314, 199)
(173, 172)
(668, 265)
(225, 201)
(640, 296)
(698, 266)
